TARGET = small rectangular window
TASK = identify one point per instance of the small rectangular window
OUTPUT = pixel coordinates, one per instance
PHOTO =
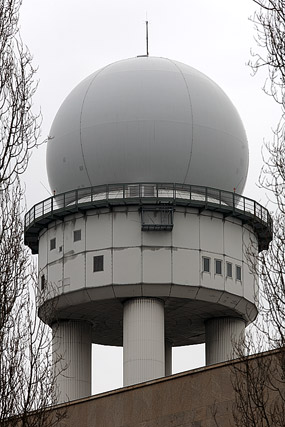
(229, 269)
(76, 235)
(98, 263)
(238, 272)
(43, 282)
(206, 264)
(52, 244)
(218, 266)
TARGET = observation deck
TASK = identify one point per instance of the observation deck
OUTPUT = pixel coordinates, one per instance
(157, 196)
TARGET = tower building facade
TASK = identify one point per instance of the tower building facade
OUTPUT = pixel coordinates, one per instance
(147, 241)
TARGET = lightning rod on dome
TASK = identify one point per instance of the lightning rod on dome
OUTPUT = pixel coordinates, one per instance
(146, 29)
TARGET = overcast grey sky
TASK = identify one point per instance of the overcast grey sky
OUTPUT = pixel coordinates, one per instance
(71, 39)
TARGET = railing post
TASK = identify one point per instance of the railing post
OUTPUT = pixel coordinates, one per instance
(52, 204)
(234, 201)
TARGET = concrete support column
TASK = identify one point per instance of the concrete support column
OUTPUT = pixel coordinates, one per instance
(72, 359)
(221, 334)
(168, 358)
(143, 340)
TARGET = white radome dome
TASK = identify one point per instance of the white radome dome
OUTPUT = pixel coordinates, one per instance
(147, 119)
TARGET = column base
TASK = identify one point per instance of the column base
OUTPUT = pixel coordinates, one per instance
(72, 359)
(222, 334)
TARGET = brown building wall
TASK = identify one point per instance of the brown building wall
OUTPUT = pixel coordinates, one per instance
(188, 399)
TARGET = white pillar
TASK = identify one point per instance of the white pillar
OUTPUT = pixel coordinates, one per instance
(143, 340)
(221, 334)
(168, 358)
(72, 359)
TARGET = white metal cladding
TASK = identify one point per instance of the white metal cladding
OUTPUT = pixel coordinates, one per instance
(72, 359)
(162, 264)
(132, 256)
(147, 119)
(143, 335)
(222, 337)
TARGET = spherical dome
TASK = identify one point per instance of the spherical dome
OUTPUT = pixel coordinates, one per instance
(147, 119)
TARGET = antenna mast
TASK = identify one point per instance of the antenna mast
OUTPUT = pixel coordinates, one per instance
(146, 27)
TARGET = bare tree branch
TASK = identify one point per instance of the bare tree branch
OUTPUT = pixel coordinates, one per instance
(259, 383)
(27, 379)
(19, 128)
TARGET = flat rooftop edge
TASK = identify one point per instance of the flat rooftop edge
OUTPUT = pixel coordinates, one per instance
(229, 364)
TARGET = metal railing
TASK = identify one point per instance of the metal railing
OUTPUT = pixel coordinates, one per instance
(143, 193)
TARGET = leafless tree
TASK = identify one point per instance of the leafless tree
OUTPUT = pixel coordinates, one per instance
(259, 383)
(27, 382)
(270, 268)
(19, 130)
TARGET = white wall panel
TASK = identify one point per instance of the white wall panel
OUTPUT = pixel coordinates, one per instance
(156, 265)
(233, 240)
(68, 237)
(74, 268)
(127, 265)
(249, 290)
(98, 231)
(186, 267)
(211, 234)
(126, 229)
(55, 274)
(186, 230)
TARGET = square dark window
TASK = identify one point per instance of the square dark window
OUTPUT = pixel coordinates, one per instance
(238, 272)
(98, 263)
(52, 244)
(206, 264)
(218, 266)
(229, 269)
(76, 235)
